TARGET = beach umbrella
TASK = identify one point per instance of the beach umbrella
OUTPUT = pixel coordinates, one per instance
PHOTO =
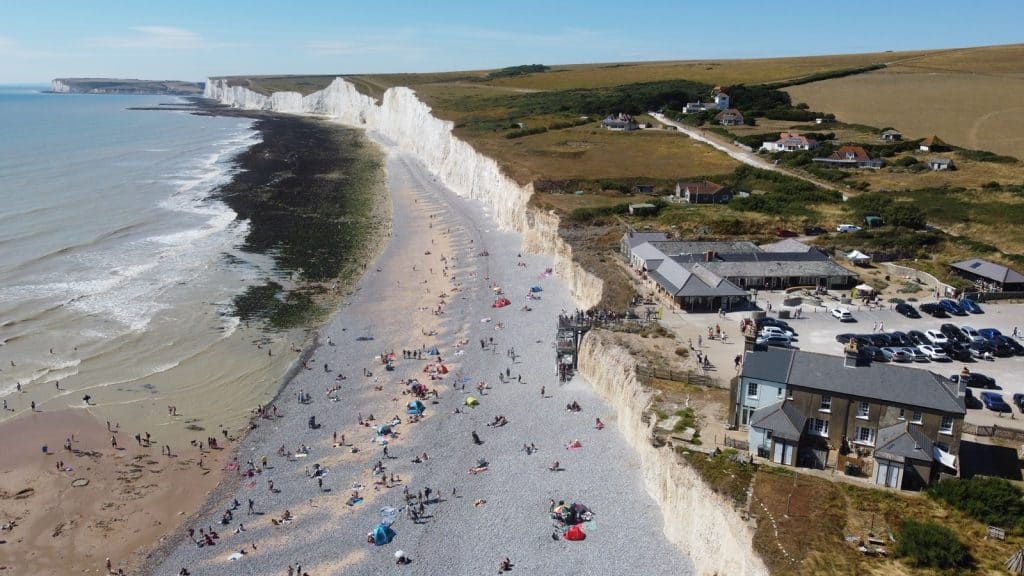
(1015, 565)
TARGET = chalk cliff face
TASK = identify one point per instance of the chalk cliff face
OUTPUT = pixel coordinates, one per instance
(698, 520)
(407, 122)
(59, 86)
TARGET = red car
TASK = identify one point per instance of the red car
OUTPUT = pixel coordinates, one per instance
(783, 233)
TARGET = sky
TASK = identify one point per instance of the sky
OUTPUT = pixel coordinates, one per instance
(190, 40)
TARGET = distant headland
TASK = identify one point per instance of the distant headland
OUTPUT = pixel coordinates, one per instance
(125, 86)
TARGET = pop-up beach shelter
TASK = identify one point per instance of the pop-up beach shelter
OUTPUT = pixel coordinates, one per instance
(383, 429)
(383, 534)
(575, 533)
(536, 288)
(415, 407)
(501, 303)
(434, 351)
(472, 401)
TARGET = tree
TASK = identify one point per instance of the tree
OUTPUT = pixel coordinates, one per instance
(930, 544)
(906, 215)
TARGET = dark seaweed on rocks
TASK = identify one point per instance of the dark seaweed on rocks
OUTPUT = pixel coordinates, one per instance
(307, 190)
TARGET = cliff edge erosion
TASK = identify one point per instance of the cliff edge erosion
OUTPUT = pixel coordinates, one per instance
(697, 520)
(405, 121)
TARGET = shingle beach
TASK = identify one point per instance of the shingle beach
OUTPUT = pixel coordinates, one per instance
(434, 286)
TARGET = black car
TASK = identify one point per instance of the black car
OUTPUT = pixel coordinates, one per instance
(900, 339)
(863, 340)
(981, 349)
(957, 351)
(1009, 343)
(814, 231)
(975, 380)
(1001, 348)
(918, 337)
(970, 401)
(934, 310)
(844, 338)
(954, 334)
(880, 339)
(1018, 400)
(769, 321)
(907, 310)
(873, 353)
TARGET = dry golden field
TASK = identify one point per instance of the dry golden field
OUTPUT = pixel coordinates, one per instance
(970, 98)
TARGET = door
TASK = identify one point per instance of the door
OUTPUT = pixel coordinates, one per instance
(888, 474)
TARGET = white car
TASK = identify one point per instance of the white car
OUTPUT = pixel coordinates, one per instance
(842, 314)
(915, 354)
(775, 331)
(848, 228)
(937, 338)
(934, 354)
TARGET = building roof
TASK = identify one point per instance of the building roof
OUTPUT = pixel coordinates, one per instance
(882, 382)
(901, 442)
(634, 239)
(794, 139)
(854, 153)
(783, 418)
(771, 268)
(730, 113)
(990, 270)
(679, 247)
(940, 161)
(932, 141)
(692, 280)
(704, 187)
(890, 131)
(786, 245)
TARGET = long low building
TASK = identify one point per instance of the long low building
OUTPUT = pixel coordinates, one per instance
(708, 276)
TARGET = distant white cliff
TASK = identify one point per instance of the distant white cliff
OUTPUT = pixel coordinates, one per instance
(402, 118)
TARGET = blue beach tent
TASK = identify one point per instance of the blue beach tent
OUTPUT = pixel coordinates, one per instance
(383, 534)
(415, 407)
(434, 351)
(383, 429)
(536, 288)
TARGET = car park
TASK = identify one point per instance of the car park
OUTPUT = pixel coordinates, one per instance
(907, 310)
(974, 380)
(970, 306)
(994, 402)
(952, 307)
(934, 354)
(934, 310)
(842, 314)
(972, 334)
(937, 338)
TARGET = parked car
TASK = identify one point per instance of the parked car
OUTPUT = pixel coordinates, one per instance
(907, 310)
(879, 339)
(873, 353)
(783, 233)
(970, 306)
(994, 402)
(937, 338)
(957, 351)
(953, 333)
(934, 354)
(918, 337)
(972, 334)
(975, 380)
(934, 310)
(775, 331)
(900, 338)
(1018, 399)
(775, 340)
(989, 333)
(952, 307)
(897, 354)
(848, 228)
(844, 337)
(970, 401)
(1001, 349)
(842, 314)
(981, 350)
(1009, 343)
(769, 321)
(915, 354)
(814, 231)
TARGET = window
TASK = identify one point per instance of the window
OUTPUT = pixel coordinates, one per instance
(864, 435)
(946, 426)
(916, 417)
(863, 410)
(819, 427)
(942, 446)
(903, 414)
(751, 389)
(826, 403)
(780, 393)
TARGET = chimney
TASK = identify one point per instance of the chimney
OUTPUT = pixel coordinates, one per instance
(852, 357)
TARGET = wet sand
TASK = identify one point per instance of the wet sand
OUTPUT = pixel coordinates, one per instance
(472, 520)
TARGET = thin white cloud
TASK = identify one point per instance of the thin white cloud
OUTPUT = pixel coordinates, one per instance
(10, 48)
(361, 46)
(156, 38)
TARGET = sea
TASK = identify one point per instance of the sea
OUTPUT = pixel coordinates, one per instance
(118, 265)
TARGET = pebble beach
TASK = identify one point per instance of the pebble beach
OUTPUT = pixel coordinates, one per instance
(432, 286)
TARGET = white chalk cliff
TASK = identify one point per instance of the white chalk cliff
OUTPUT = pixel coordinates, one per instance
(697, 520)
(407, 122)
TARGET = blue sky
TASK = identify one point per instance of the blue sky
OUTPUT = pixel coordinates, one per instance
(188, 40)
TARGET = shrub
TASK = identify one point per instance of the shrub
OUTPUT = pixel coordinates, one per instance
(985, 156)
(930, 544)
(990, 500)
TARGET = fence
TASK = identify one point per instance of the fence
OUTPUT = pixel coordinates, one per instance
(647, 373)
(994, 431)
(923, 278)
(989, 296)
(737, 444)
